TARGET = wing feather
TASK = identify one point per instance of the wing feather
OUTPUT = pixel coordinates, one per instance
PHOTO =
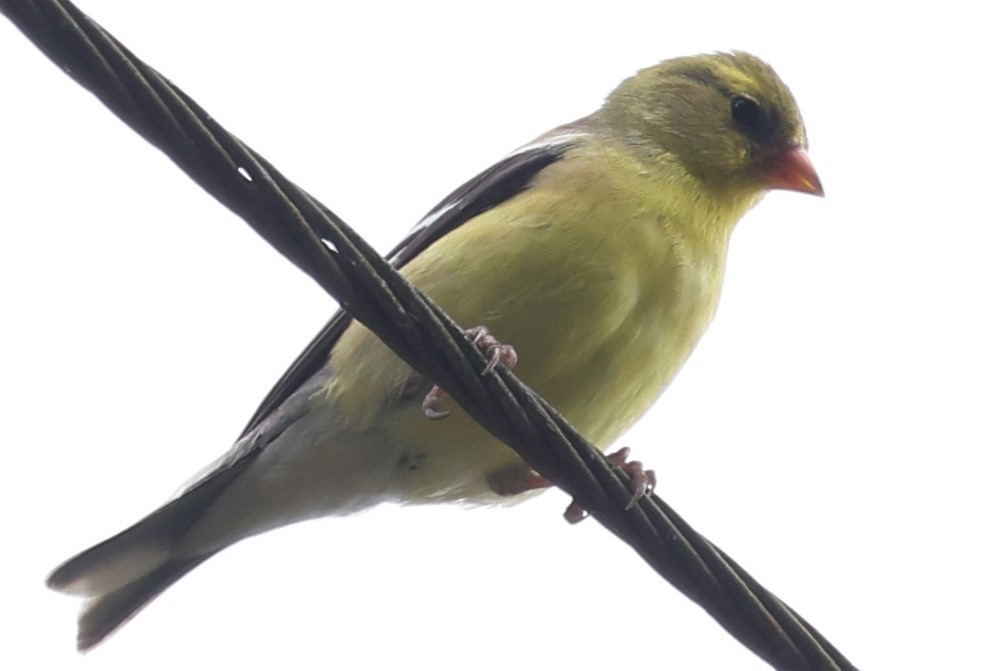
(495, 185)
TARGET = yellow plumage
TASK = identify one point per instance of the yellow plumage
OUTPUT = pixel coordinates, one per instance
(597, 252)
(602, 316)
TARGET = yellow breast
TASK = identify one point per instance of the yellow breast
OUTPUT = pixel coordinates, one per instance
(602, 276)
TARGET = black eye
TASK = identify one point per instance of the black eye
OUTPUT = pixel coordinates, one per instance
(746, 112)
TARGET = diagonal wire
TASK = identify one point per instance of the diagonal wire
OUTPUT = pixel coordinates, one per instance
(324, 247)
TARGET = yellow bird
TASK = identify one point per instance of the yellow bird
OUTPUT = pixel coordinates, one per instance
(597, 251)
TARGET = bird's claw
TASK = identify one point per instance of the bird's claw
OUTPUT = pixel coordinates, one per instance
(642, 480)
(575, 513)
(432, 403)
(496, 352)
(492, 349)
(520, 479)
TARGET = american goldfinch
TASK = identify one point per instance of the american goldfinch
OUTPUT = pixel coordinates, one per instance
(596, 252)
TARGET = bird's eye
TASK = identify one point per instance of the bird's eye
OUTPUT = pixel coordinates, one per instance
(746, 112)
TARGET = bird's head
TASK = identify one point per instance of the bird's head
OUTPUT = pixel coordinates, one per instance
(726, 118)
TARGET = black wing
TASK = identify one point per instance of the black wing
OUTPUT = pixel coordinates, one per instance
(486, 190)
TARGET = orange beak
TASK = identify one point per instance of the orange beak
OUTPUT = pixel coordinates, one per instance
(794, 171)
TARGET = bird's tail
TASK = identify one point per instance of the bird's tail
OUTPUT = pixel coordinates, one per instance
(103, 613)
(126, 572)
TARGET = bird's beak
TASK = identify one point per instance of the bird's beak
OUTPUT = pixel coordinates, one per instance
(793, 170)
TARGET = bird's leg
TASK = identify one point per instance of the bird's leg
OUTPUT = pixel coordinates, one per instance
(516, 480)
(523, 478)
(491, 348)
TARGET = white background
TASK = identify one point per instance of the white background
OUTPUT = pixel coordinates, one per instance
(839, 431)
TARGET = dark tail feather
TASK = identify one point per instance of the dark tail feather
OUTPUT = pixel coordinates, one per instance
(122, 574)
(104, 614)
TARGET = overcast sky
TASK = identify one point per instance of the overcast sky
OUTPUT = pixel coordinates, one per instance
(839, 431)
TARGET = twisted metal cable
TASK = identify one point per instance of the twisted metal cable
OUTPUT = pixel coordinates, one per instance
(415, 328)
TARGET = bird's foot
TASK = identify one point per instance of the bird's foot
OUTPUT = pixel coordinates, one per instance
(643, 481)
(432, 403)
(520, 479)
(492, 349)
